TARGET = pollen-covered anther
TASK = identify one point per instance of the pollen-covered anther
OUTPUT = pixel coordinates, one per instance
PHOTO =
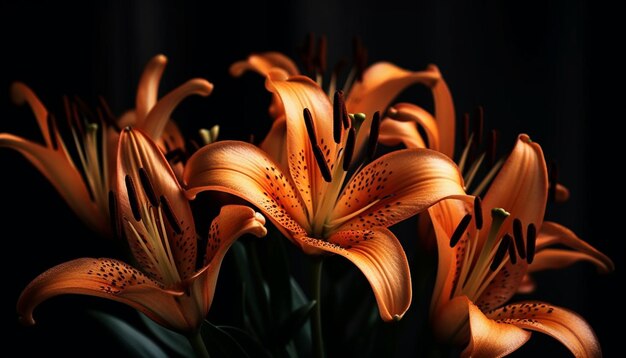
(349, 149)
(531, 237)
(132, 198)
(460, 230)
(478, 213)
(147, 187)
(499, 256)
(373, 138)
(519, 238)
(170, 215)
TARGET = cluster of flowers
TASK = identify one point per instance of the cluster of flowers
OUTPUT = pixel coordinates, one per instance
(318, 178)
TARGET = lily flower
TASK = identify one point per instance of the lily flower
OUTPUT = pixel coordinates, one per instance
(366, 90)
(86, 186)
(483, 262)
(155, 216)
(314, 202)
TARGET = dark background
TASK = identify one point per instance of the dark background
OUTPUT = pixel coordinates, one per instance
(547, 70)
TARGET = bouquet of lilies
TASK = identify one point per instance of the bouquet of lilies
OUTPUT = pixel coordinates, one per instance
(341, 164)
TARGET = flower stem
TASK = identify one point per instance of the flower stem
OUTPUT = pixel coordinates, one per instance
(197, 343)
(316, 280)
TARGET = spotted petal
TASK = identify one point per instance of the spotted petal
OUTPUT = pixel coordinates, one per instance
(396, 186)
(381, 258)
(104, 278)
(559, 323)
(244, 170)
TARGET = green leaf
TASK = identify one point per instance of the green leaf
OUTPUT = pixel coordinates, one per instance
(220, 343)
(175, 341)
(134, 342)
(278, 278)
(293, 324)
(303, 338)
(250, 344)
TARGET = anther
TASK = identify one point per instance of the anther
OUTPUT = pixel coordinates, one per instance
(502, 249)
(531, 237)
(518, 234)
(373, 139)
(512, 254)
(337, 116)
(310, 128)
(478, 213)
(169, 214)
(321, 163)
(132, 197)
(349, 149)
(460, 230)
(108, 117)
(147, 187)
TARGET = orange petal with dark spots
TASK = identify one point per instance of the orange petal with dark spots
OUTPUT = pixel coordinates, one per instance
(104, 278)
(565, 326)
(396, 186)
(381, 258)
(246, 171)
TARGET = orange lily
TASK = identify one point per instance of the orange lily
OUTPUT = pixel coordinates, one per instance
(315, 204)
(370, 91)
(86, 187)
(483, 263)
(156, 218)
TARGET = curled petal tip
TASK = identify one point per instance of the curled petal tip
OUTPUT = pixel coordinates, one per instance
(258, 229)
(201, 86)
(392, 112)
(27, 320)
(18, 92)
(160, 59)
(525, 138)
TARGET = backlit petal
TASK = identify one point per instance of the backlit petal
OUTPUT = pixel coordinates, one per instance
(20, 94)
(104, 278)
(408, 112)
(396, 186)
(274, 143)
(148, 89)
(381, 258)
(244, 170)
(263, 63)
(393, 132)
(562, 324)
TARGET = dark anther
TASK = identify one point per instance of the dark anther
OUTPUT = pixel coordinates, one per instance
(321, 163)
(337, 116)
(349, 150)
(113, 214)
(52, 131)
(84, 108)
(108, 117)
(502, 249)
(310, 128)
(519, 238)
(478, 213)
(512, 254)
(147, 187)
(169, 214)
(78, 123)
(373, 139)
(531, 238)
(460, 230)
(132, 198)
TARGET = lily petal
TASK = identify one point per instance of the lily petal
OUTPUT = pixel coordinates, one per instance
(393, 132)
(244, 170)
(233, 222)
(104, 278)
(262, 63)
(274, 142)
(148, 89)
(160, 114)
(559, 323)
(20, 94)
(561, 194)
(153, 184)
(409, 180)
(555, 234)
(296, 94)
(408, 112)
(63, 175)
(490, 338)
(381, 258)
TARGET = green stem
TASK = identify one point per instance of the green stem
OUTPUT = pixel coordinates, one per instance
(197, 343)
(316, 276)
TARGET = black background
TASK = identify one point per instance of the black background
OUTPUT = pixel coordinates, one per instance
(549, 70)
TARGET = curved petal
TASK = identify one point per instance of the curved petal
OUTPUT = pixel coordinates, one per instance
(296, 94)
(381, 258)
(145, 181)
(262, 63)
(62, 175)
(556, 259)
(396, 186)
(274, 143)
(489, 338)
(559, 323)
(20, 94)
(148, 89)
(527, 285)
(555, 234)
(561, 194)
(158, 116)
(233, 222)
(393, 132)
(246, 171)
(104, 278)
(408, 112)
(444, 113)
